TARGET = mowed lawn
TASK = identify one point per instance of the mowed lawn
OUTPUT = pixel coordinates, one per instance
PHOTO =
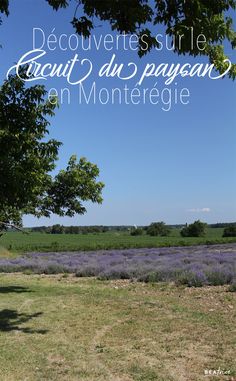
(19, 242)
(68, 328)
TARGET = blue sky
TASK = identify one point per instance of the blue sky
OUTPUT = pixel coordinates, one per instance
(176, 166)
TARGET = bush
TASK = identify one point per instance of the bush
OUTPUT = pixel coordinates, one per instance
(219, 277)
(158, 229)
(230, 231)
(197, 229)
(151, 277)
(54, 269)
(135, 232)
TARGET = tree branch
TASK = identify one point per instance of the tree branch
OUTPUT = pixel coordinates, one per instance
(13, 226)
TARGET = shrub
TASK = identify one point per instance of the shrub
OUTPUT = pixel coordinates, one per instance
(136, 232)
(8, 268)
(158, 229)
(115, 274)
(191, 279)
(54, 269)
(230, 231)
(219, 277)
(197, 229)
(151, 277)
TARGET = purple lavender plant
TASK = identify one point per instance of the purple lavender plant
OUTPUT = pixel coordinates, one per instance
(193, 266)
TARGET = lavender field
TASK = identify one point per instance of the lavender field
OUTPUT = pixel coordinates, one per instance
(194, 266)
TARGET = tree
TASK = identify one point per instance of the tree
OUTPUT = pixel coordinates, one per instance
(230, 231)
(136, 231)
(27, 160)
(197, 229)
(57, 229)
(158, 229)
(211, 18)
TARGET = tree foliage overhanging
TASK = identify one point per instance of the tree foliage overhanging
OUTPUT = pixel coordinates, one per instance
(213, 18)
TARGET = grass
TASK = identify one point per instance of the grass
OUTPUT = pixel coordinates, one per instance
(18, 242)
(66, 328)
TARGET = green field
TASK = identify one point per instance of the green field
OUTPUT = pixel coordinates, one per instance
(19, 242)
(70, 329)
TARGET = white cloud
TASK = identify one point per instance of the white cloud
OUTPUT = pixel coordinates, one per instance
(199, 210)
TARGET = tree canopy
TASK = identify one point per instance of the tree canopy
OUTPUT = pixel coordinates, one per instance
(158, 229)
(142, 17)
(230, 231)
(27, 159)
(196, 229)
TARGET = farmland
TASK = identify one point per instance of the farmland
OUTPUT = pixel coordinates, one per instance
(116, 307)
(192, 266)
(18, 242)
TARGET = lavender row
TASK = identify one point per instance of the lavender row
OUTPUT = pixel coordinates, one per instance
(194, 266)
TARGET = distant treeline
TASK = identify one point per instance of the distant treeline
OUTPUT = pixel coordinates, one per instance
(60, 229)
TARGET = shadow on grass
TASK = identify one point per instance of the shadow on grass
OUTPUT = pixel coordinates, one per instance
(17, 289)
(10, 320)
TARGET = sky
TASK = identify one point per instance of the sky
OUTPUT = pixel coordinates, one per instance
(177, 166)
